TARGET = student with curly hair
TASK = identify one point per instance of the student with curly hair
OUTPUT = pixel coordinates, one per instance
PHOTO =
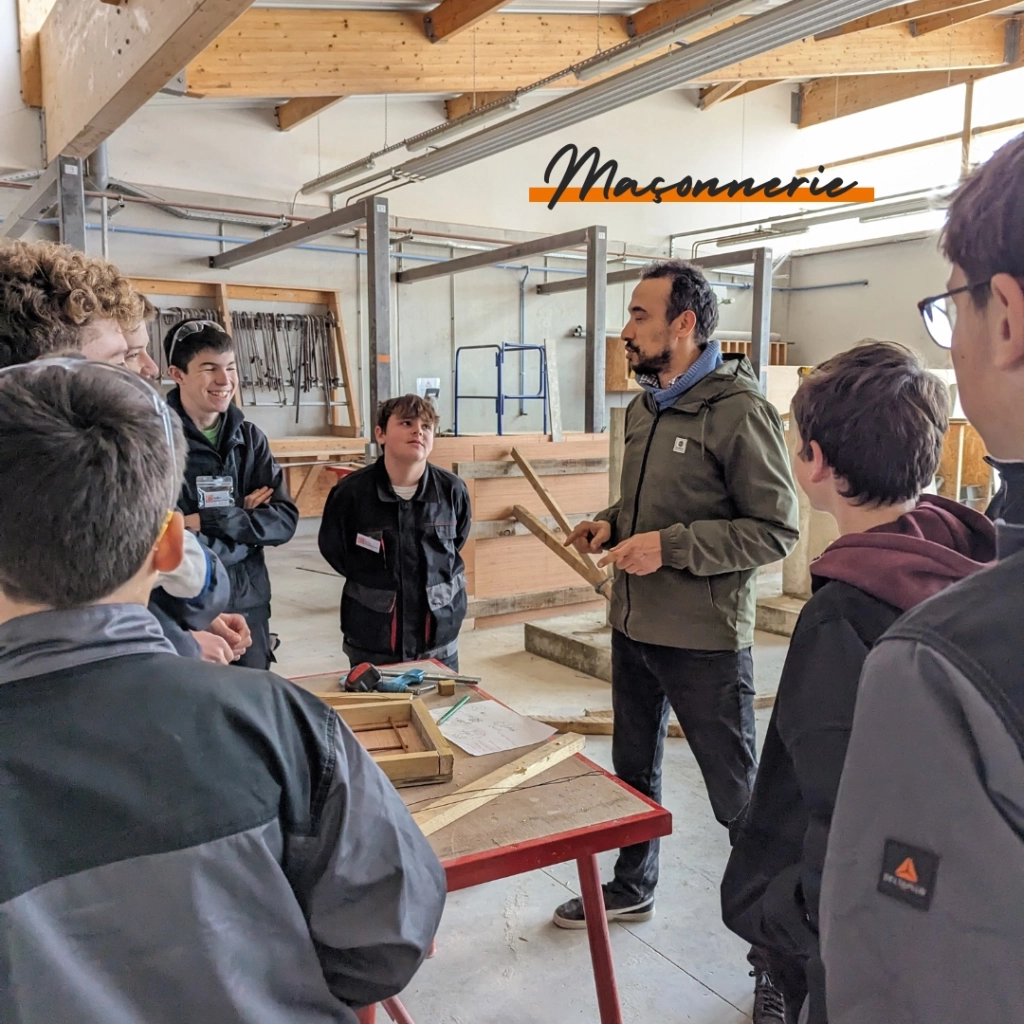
(53, 297)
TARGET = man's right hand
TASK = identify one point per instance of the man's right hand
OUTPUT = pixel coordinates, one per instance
(261, 496)
(215, 649)
(589, 538)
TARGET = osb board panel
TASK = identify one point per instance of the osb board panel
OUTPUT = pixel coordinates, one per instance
(519, 565)
(975, 471)
(310, 501)
(582, 493)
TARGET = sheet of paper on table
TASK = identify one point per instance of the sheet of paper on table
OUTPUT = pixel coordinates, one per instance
(486, 727)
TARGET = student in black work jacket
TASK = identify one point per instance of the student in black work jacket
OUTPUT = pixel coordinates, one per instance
(234, 493)
(394, 530)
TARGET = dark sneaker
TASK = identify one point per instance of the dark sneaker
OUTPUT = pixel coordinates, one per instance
(616, 908)
(769, 1006)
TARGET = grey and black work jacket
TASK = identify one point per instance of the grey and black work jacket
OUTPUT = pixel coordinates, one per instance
(187, 842)
(922, 901)
(405, 582)
(237, 535)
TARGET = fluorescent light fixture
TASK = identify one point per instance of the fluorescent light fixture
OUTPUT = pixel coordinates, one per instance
(658, 39)
(474, 119)
(897, 210)
(341, 174)
(761, 236)
(759, 34)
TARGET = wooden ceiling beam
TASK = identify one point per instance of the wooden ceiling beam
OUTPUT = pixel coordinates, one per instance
(899, 14)
(288, 52)
(452, 17)
(301, 109)
(101, 63)
(716, 93)
(826, 99)
(937, 22)
(661, 13)
(31, 16)
(462, 105)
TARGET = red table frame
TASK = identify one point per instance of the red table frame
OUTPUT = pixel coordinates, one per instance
(582, 845)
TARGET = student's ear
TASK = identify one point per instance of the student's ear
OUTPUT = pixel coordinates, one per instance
(169, 550)
(175, 374)
(1006, 316)
(379, 435)
(820, 469)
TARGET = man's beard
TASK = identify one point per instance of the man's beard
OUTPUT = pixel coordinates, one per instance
(651, 366)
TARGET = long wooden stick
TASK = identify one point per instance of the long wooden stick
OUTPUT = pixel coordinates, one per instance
(597, 578)
(446, 809)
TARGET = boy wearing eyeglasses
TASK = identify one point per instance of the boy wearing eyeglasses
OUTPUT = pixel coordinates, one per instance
(924, 879)
(175, 847)
(897, 548)
(234, 494)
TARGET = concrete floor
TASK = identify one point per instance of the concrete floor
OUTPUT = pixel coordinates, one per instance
(499, 957)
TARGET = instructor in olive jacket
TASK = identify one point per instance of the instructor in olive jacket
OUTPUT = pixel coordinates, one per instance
(707, 498)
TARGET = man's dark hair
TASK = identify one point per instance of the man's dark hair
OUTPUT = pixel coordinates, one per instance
(879, 417)
(984, 233)
(89, 478)
(690, 290)
(182, 344)
(411, 406)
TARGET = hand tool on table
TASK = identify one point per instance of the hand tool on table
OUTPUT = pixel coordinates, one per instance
(365, 677)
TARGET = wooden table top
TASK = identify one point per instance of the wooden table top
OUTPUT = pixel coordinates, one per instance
(574, 808)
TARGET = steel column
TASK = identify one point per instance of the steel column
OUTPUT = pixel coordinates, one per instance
(71, 201)
(760, 330)
(597, 294)
(378, 287)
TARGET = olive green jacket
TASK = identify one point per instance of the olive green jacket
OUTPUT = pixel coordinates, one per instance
(711, 474)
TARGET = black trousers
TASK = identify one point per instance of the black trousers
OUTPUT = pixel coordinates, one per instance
(261, 653)
(712, 694)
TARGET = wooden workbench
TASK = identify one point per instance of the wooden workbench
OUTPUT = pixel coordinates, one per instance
(573, 811)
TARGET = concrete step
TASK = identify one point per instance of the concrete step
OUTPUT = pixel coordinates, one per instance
(779, 614)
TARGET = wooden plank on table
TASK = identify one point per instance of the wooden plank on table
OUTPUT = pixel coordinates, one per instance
(602, 723)
(510, 604)
(499, 469)
(447, 809)
(509, 566)
(496, 498)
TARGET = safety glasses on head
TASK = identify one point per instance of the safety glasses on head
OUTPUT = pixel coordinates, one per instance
(137, 385)
(184, 329)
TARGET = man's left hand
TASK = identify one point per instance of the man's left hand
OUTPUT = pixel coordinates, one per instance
(233, 628)
(192, 522)
(639, 555)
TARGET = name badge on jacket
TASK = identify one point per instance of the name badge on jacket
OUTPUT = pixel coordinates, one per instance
(362, 541)
(680, 445)
(215, 491)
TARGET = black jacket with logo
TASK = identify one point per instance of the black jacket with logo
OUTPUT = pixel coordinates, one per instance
(405, 584)
(235, 534)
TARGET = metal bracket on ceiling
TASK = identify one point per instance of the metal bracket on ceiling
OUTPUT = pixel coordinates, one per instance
(796, 106)
(177, 86)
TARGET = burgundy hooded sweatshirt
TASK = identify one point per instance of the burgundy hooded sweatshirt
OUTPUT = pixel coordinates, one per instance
(905, 562)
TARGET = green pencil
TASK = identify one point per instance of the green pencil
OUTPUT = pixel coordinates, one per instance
(451, 711)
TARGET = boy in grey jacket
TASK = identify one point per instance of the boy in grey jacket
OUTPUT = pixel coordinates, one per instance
(181, 841)
(922, 903)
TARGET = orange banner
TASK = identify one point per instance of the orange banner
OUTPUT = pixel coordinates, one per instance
(801, 195)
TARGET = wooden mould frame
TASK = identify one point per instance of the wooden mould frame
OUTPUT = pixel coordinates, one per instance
(220, 292)
(410, 725)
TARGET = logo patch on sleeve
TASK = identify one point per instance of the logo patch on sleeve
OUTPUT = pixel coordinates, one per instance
(908, 874)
